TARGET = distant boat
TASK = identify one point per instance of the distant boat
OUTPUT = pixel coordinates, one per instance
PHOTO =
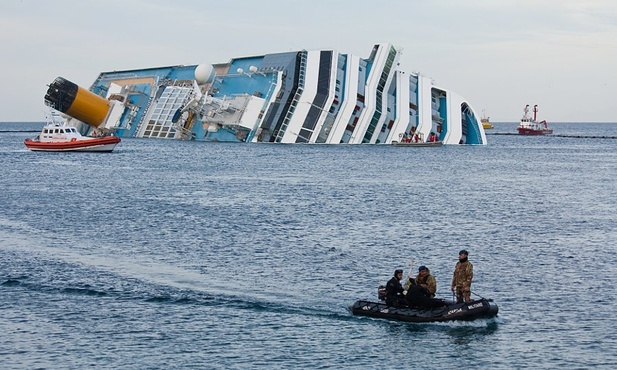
(486, 123)
(530, 126)
(60, 137)
(416, 139)
(419, 144)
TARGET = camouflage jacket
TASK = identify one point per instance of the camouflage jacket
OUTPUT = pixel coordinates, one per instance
(463, 273)
(429, 281)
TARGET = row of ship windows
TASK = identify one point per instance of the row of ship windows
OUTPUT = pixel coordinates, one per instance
(158, 131)
(161, 135)
(165, 111)
(60, 131)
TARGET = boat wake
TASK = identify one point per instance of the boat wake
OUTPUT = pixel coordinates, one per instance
(177, 297)
(143, 280)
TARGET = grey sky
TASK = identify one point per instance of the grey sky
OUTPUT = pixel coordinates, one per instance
(498, 54)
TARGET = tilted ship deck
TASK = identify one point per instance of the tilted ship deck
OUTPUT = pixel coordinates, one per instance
(320, 96)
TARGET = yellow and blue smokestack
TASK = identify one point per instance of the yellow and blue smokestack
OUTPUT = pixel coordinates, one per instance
(79, 103)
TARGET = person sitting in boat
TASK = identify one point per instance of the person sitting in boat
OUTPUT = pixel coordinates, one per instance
(394, 290)
(421, 290)
(426, 281)
(419, 297)
(432, 137)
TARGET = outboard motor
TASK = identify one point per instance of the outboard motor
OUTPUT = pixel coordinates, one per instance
(381, 293)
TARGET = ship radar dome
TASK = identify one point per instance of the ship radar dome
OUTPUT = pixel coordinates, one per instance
(204, 73)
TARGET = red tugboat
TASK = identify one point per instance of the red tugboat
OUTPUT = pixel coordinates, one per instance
(529, 126)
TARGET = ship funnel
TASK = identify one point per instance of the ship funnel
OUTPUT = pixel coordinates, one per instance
(79, 103)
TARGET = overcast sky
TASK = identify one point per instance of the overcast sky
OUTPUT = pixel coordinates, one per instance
(498, 54)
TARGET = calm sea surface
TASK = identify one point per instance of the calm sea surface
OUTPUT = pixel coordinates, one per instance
(174, 254)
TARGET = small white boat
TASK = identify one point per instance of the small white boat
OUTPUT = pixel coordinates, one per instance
(419, 144)
(60, 137)
(417, 139)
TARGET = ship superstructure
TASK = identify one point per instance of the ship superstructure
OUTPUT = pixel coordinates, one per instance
(319, 96)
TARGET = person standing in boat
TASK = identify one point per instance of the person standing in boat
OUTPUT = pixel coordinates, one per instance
(426, 281)
(394, 290)
(461, 281)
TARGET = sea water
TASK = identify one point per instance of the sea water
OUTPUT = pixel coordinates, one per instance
(175, 254)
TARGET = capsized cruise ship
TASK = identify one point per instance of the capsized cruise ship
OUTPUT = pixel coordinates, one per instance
(320, 96)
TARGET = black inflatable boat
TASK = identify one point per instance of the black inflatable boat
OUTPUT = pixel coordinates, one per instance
(478, 309)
